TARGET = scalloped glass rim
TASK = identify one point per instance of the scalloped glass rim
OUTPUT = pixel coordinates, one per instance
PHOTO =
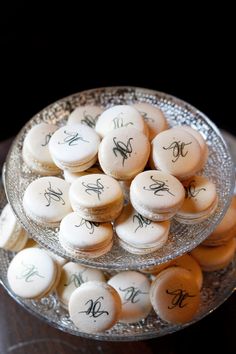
(183, 238)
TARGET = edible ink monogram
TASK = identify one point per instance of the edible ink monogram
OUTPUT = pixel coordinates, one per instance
(132, 294)
(157, 187)
(118, 122)
(177, 148)
(29, 273)
(179, 296)
(76, 279)
(125, 150)
(89, 120)
(94, 308)
(53, 194)
(72, 139)
(191, 191)
(96, 188)
(47, 139)
(141, 220)
(90, 225)
(146, 117)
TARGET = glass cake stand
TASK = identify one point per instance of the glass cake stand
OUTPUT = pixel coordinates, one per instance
(182, 238)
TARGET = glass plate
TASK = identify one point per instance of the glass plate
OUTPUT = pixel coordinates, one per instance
(183, 238)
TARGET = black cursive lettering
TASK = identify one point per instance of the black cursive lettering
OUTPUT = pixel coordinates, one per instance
(90, 225)
(125, 150)
(52, 194)
(132, 294)
(118, 122)
(29, 272)
(47, 139)
(96, 188)
(177, 148)
(89, 120)
(191, 191)
(141, 220)
(94, 308)
(72, 138)
(178, 297)
(157, 187)
(146, 118)
(76, 279)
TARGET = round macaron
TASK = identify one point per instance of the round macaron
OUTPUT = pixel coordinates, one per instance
(156, 195)
(175, 295)
(72, 276)
(202, 142)
(12, 236)
(200, 200)
(123, 153)
(70, 177)
(97, 197)
(121, 116)
(94, 307)
(133, 288)
(35, 150)
(226, 229)
(74, 147)
(214, 258)
(153, 117)
(177, 152)
(84, 237)
(46, 200)
(32, 274)
(138, 234)
(87, 115)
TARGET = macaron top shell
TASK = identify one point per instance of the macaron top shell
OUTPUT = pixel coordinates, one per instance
(153, 117)
(31, 273)
(117, 117)
(177, 152)
(75, 144)
(8, 224)
(157, 191)
(84, 234)
(86, 115)
(95, 190)
(47, 198)
(123, 153)
(94, 307)
(136, 229)
(200, 194)
(175, 295)
(37, 142)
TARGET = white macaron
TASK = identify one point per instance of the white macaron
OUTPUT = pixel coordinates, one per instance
(87, 115)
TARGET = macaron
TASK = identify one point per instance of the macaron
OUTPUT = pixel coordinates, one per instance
(70, 177)
(123, 153)
(156, 195)
(133, 288)
(121, 116)
(153, 117)
(96, 197)
(74, 147)
(138, 234)
(214, 258)
(35, 150)
(200, 200)
(94, 307)
(83, 237)
(32, 274)
(226, 229)
(46, 200)
(177, 152)
(175, 295)
(87, 115)
(202, 142)
(72, 276)
(12, 236)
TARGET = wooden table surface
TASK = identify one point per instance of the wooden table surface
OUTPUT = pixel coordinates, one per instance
(22, 333)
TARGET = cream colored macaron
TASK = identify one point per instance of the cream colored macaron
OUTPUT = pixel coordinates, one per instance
(202, 142)
(72, 276)
(177, 152)
(175, 295)
(133, 288)
(153, 117)
(87, 115)
(83, 237)
(214, 258)
(138, 234)
(32, 274)
(94, 307)
(123, 153)
(35, 150)
(200, 200)
(46, 200)
(12, 236)
(74, 147)
(156, 195)
(226, 229)
(97, 197)
(70, 177)
(121, 116)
